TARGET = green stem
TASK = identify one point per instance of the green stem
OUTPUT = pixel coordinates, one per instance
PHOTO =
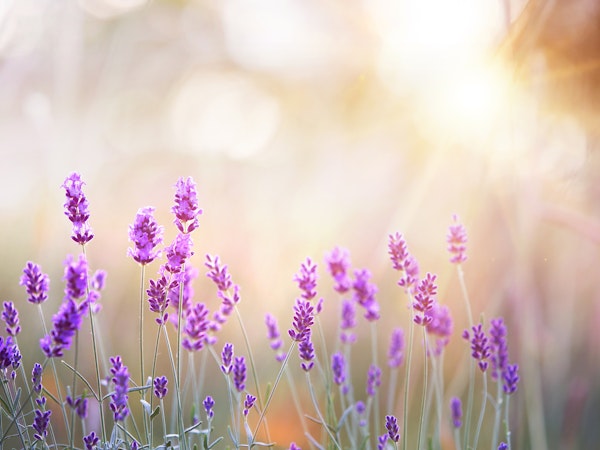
(425, 366)
(407, 374)
(482, 412)
(318, 411)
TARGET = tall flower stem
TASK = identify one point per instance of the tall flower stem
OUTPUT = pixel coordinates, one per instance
(318, 411)
(471, 393)
(177, 373)
(175, 368)
(376, 364)
(482, 412)
(15, 414)
(423, 397)
(498, 413)
(507, 423)
(141, 331)
(411, 328)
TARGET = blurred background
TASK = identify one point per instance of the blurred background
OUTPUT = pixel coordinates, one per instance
(310, 124)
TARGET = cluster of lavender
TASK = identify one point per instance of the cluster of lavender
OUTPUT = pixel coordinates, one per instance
(346, 417)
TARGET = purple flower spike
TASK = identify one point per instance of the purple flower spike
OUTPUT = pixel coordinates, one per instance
(396, 349)
(76, 276)
(36, 378)
(498, 347)
(403, 261)
(456, 409)
(239, 373)
(307, 279)
(196, 327)
(373, 380)
(440, 326)
(119, 397)
(209, 403)
(307, 353)
(480, 348)
(186, 205)
(76, 209)
(274, 336)
(338, 368)
(178, 253)
(511, 378)
(293, 446)
(303, 320)
(348, 321)
(37, 283)
(338, 264)
(391, 425)
(218, 273)
(424, 299)
(457, 241)
(248, 403)
(91, 441)
(381, 441)
(66, 323)
(146, 234)
(40, 424)
(9, 353)
(227, 358)
(158, 298)
(79, 404)
(160, 387)
(10, 316)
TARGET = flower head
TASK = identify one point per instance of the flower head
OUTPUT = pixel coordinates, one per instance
(40, 424)
(338, 264)
(9, 353)
(373, 380)
(76, 277)
(37, 283)
(91, 441)
(440, 326)
(498, 348)
(338, 368)
(456, 409)
(480, 348)
(348, 321)
(79, 404)
(391, 425)
(218, 273)
(178, 253)
(382, 441)
(209, 403)
(307, 279)
(120, 379)
(186, 205)
(293, 446)
(424, 299)
(227, 358)
(146, 234)
(403, 261)
(158, 298)
(457, 241)
(76, 209)
(511, 378)
(396, 349)
(160, 387)
(66, 323)
(274, 336)
(196, 327)
(239, 373)
(248, 403)
(10, 316)
(36, 378)
(303, 320)
(307, 353)
(364, 293)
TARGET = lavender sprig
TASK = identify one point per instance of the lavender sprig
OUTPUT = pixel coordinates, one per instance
(146, 234)
(10, 316)
(76, 209)
(37, 283)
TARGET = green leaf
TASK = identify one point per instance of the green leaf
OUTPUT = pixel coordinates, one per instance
(155, 412)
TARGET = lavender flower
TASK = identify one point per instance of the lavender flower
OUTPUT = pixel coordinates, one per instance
(186, 205)
(440, 326)
(303, 320)
(158, 298)
(146, 235)
(209, 403)
(502, 446)
(196, 327)
(188, 276)
(364, 293)
(360, 408)
(457, 241)
(239, 373)
(227, 358)
(480, 348)
(403, 261)
(348, 321)
(274, 336)
(160, 387)
(391, 425)
(119, 397)
(40, 424)
(98, 280)
(10, 316)
(511, 378)
(456, 409)
(76, 209)
(76, 273)
(307, 279)
(338, 263)
(37, 283)
(424, 299)
(66, 323)
(381, 441)
(9, 353)
(248, 404)
(338, 368)
(307, 353)
(373, 380)
(178, 253)
(396, 349)
(91, 441)
(36, 378)
(218, 273)
(293, 446)
(498, 348)
(79, 404)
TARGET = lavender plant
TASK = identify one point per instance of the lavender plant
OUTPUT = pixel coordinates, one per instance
(114, 408)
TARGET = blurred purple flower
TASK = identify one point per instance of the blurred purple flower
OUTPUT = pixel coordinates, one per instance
(36, 378)
(373, 380)
(502, 446)
(293, 446)
(274, 336)
(91, 441)
(457, 241)
(209, 403)
(307, 352)
(348, 321)
(307, 279)
(239, 373)
(338, 368)
(338, 263)
(120, 378)
(186, 205)
(248, 403)
(227, 358)
(364, 293)
(391, 425)
(396, 349)
(37, 283)
(98, 280)
(177, 254)
(511, 378)
(146, 234)
(196, 327)
(66, 323)
(440, 326)
(79, 404)
(382, 441)
(9, 353)
(40, 424)
(498, 348)
(456, 409)
(424, 299)
(218, 273)
(76, 274)
(158, 298)
(403, 261)
(76, 209)
(10, 316)
(303, 320)
(480, 348)
(160, 387)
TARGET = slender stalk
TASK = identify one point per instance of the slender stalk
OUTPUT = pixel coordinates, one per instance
(178, 368)
(318, 411)
(507, 423)
(425, 365)
(471, 392)
(407, 375)
(178, 393)
(498, 413)
(15, 414)
(482, 412)
(376, 364)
